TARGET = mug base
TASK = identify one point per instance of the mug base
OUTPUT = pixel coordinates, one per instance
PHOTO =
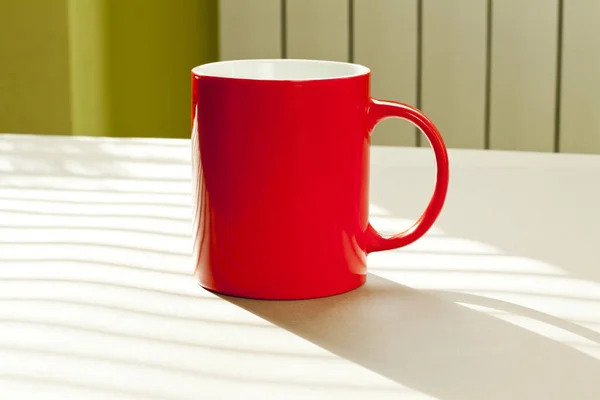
(355, 284)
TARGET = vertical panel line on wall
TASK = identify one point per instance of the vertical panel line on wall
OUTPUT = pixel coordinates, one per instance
(488, 75)
(559, 52)
(419, 77)
(283, 28)
(351, 31)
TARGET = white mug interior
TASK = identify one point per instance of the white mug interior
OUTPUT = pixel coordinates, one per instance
(281, 69)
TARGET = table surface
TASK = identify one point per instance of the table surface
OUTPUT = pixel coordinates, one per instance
(500, 300)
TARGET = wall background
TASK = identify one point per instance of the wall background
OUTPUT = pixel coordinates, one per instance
(504, 74)
(34, 67)
(102, 67)
(492, 74)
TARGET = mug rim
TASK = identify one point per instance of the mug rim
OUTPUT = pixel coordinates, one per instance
(211, 70)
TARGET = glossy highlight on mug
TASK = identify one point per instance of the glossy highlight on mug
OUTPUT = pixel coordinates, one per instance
(281, 174)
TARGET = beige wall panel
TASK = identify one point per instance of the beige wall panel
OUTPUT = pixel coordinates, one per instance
(580, 100)
(317, 29)
(524, 49)
(385, 40)
(249, 29)
(454, 69)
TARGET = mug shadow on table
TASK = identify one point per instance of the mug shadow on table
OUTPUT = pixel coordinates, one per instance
(430, 343)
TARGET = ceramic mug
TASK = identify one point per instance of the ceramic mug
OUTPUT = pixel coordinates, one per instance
(280, 177)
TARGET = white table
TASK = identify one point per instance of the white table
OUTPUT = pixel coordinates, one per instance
(501, 300)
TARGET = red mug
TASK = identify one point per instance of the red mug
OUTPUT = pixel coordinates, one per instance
(280, 177)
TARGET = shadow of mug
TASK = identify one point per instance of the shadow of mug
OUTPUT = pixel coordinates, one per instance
(434, 345)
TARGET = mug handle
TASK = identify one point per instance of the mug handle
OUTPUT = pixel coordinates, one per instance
(379, 110)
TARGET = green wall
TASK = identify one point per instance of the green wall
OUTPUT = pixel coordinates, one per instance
(34, 67)
(89, 58)
(110, 67)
